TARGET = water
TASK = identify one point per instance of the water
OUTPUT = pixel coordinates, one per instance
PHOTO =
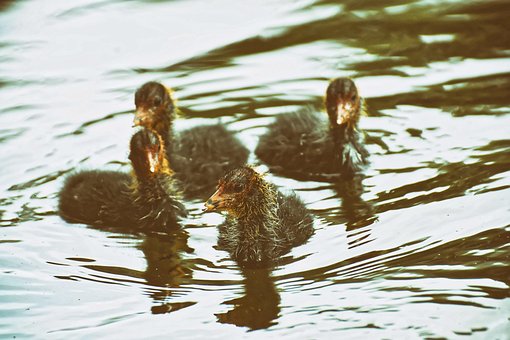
(420, 248)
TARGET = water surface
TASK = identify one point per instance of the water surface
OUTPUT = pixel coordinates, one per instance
(418, 248)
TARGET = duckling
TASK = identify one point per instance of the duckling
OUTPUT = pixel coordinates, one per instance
(301, 144)
(147, 198)
(261, 223)
(156, 191)
(200, 155)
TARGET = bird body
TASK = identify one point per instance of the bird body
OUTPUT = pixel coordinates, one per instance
(262, 224)
(147, 198)
(304, 144)
(98, 198)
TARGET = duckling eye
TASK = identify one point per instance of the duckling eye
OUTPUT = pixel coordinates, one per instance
(157, 101)
(237, 187)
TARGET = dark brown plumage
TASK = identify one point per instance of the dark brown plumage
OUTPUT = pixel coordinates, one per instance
(303, 145)
(145, 199)
(261, 223)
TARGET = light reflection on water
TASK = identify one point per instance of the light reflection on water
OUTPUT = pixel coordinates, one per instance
(419, 247)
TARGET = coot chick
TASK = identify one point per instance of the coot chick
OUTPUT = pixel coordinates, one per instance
(147, 198)
(261, 223)
(302, 144)
(200, 155)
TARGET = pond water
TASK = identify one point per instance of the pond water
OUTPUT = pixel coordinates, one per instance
(418, 248)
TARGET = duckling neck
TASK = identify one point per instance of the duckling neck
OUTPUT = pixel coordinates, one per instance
(258, 217)
(157, 200)
(162, 124)
(154, 187)
(342, 135)
(348, 147)
(160, 184)
(165, 130)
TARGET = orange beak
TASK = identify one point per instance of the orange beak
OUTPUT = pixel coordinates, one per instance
(344, 113)
(142, 118)
(214, 202)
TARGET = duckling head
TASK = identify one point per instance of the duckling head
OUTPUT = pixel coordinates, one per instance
(238, 193)
(147, 154)
(154, 107)
(343, 103)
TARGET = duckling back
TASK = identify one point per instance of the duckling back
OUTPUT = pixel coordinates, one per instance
(97, 198)
(158, 205)
(296, 222)
(298, 142)
(203, 154)
(302, 145)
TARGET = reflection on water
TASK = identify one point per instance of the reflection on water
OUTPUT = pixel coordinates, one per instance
(419, 246)
(259, 306)
(358, 213)
(165, 268)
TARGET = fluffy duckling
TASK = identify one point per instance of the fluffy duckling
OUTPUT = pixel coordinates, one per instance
(145, 199)
(261, 223)
(200, 155)
(302, 144)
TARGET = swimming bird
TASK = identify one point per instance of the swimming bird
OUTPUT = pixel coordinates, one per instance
(146, 198)
(262, 223)
(303, 144)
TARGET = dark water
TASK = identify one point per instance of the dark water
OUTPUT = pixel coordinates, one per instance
(420, 248)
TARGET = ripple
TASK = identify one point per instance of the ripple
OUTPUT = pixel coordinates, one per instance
(418, 247)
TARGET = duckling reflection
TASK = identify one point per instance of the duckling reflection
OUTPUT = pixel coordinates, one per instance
(301, 145)
(200, 155)
(166, 269)
(259, 306)
(355, 212)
